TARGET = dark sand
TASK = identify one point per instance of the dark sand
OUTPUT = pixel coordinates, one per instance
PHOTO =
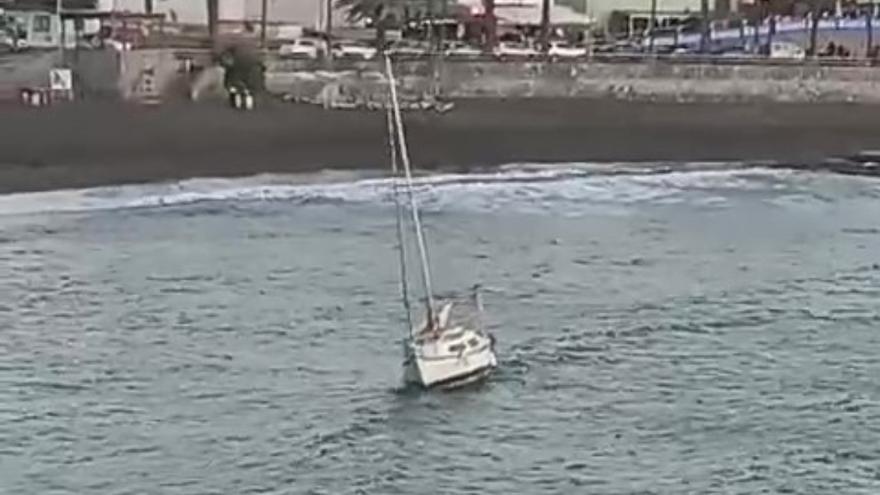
(98, 144)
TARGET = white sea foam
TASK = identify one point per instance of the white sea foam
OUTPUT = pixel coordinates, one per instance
(524, 184)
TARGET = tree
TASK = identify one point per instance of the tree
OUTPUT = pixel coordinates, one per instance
(704, 26)
(387, 13)
(491, 25)
(545, 26)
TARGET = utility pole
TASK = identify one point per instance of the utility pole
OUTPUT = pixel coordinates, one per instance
(444, 13)
(328, 27)
(814, 29)
(652, 26)
(61, 32)
(704, 28)
(869, 31)
(430, 23)
(759, 18)
(545, 26)
(264, 21)
(213, 19)
(328, 21)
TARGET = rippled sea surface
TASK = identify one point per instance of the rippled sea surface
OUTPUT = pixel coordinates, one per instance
(706, 331)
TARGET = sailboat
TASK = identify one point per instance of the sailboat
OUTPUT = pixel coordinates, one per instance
(445, 350)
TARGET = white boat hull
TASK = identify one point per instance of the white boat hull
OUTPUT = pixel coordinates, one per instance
(431, 364)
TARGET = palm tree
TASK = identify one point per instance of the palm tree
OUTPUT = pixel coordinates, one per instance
(382, 13)
(491, 25)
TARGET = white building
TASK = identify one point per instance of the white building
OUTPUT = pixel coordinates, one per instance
(529, 12)
(634, 16)
(310, 13)
(602, 9)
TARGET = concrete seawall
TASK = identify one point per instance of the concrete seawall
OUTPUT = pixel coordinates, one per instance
(104, 74)
(125, 76)
(654, 81)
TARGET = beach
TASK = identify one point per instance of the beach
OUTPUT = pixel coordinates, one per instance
(102, 143)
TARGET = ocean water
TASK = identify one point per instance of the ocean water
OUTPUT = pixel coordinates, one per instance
(712, 329)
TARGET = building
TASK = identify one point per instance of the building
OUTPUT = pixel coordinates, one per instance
(528, 12)
(633, 17)
(36, 24)
(184, 11)
(602, 10)
(31, 28)
(307, 13)
(626, 16)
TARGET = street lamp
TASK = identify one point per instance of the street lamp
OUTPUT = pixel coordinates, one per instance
(61, 32)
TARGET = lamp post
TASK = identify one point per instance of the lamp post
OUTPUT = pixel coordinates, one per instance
(545, 26)
(328, 27)
(704, 26)
(869, 30)
(61, 31)
(264, 20)
(814, 28)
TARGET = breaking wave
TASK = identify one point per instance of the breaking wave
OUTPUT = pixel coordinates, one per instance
(535, 186)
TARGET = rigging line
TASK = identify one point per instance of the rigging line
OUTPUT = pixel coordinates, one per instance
(401, 241)
(404, 157)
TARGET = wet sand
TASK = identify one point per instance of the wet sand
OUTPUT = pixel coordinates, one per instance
(95, 144)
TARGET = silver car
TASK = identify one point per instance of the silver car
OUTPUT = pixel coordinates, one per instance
(460, 49)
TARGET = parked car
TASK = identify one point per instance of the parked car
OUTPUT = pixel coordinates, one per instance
(460, 49)
(10, 41)
(302, 48)
(408, 49)
(356, 50)
(509, 49)
(564, 49)
(684, 50)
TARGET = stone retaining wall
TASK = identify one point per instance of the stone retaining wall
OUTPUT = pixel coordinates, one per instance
(650, 81)
(120, 74)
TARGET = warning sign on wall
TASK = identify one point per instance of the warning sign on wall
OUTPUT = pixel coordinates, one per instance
(60, 80)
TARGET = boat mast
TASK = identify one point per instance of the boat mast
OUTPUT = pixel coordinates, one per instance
(404, 289)
(404, 157)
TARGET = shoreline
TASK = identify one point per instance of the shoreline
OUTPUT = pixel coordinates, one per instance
(90, 144)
